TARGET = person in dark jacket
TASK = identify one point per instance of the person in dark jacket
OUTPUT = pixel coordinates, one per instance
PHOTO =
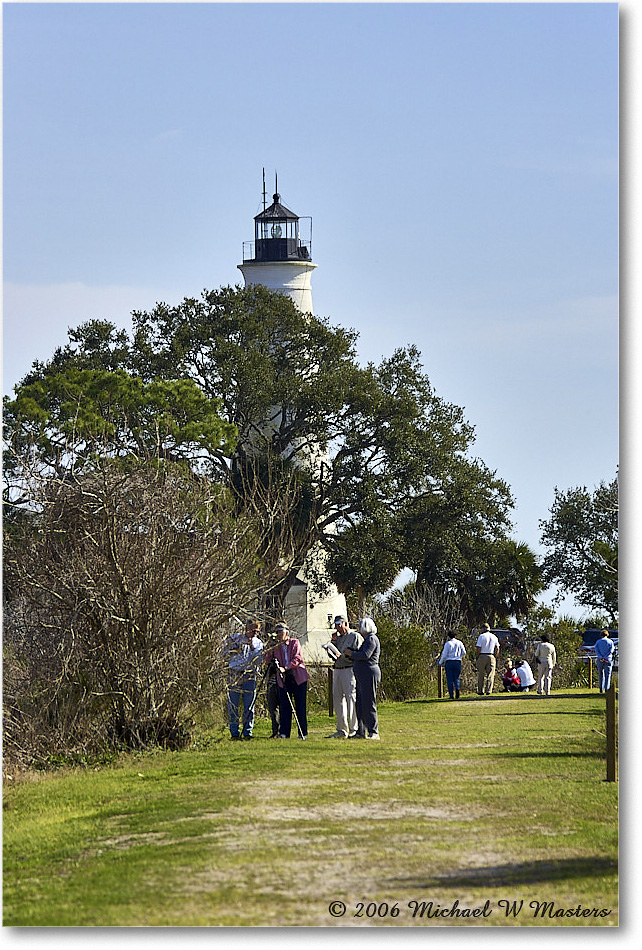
(368, 676)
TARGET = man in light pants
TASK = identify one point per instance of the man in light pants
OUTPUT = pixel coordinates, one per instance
(487, 652)
(344, 687)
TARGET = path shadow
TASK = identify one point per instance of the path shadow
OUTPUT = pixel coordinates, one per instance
(509, 875)
(543, 754)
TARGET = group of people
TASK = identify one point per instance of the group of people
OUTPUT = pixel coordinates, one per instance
(515, 679)
(286, 675)
(519, 678)
(356, 676)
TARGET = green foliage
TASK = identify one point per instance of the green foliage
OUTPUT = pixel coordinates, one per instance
(492, 578)
(64, 419)
(581, 536)
(384, 476)
(562, 631)
(597, 621)
(242, 389)
(364, 561)
(408, 658)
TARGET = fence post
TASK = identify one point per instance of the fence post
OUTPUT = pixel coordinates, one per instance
(611, 733)
(440, 681)
(330, 691)
(590, 672)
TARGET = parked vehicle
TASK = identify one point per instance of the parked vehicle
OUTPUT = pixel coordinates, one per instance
(590, 638)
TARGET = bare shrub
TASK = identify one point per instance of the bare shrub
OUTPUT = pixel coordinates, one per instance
(120, 583)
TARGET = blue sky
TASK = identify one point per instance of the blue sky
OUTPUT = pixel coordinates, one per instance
(459, 161)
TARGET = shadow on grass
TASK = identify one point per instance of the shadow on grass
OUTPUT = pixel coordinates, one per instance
(505, 875)
(499, 697)
(492, 709)
(543, 754)
(554, 713)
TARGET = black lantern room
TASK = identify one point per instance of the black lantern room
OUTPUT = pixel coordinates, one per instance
(277, 235)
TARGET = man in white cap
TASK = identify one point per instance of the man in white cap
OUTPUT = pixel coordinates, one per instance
(344, 687)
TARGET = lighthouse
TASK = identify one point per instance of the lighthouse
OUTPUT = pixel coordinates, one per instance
(280, 255)
(280, 258)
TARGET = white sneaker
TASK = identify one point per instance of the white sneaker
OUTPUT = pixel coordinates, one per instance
(375, 735)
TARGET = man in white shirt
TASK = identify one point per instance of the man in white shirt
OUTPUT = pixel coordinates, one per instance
(525, 674)
(487, 652)
(451, 656)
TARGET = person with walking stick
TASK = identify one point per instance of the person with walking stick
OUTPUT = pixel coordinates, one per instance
(292, 678)
(272, 696)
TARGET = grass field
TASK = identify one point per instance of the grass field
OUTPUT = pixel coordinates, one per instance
(482, 812)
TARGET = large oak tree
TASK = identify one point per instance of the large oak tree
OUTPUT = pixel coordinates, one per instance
(384, 467)
(581, 536)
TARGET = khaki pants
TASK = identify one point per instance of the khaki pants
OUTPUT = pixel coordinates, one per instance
(485, 672)
(544, 676)
(344, 697)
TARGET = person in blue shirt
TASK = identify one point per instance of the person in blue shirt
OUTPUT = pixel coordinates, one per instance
(604, 652)
(244, 656)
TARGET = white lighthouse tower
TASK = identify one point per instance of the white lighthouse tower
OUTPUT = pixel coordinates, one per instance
(280, 258)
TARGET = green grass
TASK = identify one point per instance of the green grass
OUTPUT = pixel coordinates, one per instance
(498, 799)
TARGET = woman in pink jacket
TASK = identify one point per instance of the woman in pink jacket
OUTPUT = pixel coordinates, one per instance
(292, 680)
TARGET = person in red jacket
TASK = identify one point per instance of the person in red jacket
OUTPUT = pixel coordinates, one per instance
(292, 680)
(510, 679)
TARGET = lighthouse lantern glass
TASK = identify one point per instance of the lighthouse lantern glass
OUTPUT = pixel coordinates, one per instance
(277, 236)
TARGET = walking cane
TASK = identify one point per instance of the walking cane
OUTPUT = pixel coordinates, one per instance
(258, 687)
(296, 718)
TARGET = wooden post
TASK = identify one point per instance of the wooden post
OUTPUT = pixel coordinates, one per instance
(590, 672)
(611, 733)
(440, 681)
(330, 691)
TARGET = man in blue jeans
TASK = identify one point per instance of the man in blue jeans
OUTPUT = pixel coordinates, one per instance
(605, 652)
(244, 656)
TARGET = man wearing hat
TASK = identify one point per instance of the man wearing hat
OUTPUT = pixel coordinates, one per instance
(344, 687)
(244, 657)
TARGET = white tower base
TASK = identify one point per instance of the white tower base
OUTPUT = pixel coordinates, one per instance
(309, 616)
